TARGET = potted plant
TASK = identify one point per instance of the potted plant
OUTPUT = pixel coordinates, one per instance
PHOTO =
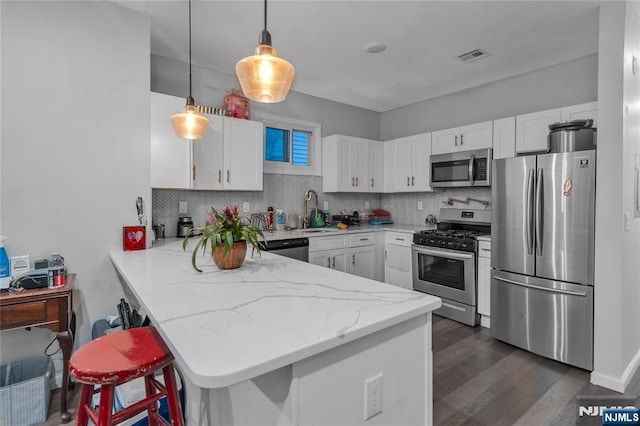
(228, 233)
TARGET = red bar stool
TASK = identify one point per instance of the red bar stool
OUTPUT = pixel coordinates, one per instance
(119, 358)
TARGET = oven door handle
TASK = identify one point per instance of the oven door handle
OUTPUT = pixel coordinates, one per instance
(442, 253)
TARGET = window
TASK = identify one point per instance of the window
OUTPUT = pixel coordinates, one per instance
(291, 146)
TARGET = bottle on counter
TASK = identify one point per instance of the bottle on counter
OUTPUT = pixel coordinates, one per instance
(56, 271)
(280, 220)
(327, 218)
(5, 273)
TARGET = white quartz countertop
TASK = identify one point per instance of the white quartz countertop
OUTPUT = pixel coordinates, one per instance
(225, 327)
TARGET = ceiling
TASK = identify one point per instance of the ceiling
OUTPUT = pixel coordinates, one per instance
(324, 41)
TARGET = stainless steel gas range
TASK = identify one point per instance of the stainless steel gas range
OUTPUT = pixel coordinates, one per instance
(445, 262)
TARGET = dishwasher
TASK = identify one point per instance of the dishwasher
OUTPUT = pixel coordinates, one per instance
(295, 248)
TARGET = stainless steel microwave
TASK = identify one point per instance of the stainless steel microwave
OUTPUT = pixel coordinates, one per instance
(461, 169)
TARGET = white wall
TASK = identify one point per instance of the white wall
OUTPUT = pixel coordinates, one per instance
(210, 87)
(617, 282)
(75, 144)
(569, 83)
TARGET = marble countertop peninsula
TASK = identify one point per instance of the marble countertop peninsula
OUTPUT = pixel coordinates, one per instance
(228, 326)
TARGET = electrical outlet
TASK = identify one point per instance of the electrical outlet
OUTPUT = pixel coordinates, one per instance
(245, 207)
(372, 396)
(182, 207)
(326, 205)
(366, 204)
(420, 205)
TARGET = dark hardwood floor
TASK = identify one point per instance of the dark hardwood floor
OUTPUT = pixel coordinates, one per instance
(481, 381)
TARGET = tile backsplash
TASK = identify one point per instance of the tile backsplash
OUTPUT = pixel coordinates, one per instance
(286, 192)
(280, 192)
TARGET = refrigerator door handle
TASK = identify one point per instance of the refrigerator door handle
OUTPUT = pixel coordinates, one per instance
(539, 200)
(529, 212)
(472, 166)
(551, 290)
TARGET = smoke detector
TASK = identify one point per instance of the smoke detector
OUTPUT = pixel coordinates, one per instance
(375, 47)
(472, 55)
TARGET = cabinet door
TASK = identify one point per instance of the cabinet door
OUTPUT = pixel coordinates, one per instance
(581, 111)
(360, 164)
(444, 141)
(421, 148)
(389, 165)
(208, 156)
(321, 258)
(403, 160)
(484, 286)
(504, 138)
(532, 130)
(243, 154)
(346, 179)
(362, 261)
(397, 266)
(476, 136)
(376, 167)
(340, 260)
(170, 154)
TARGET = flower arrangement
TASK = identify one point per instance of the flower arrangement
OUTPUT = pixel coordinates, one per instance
(222, 230)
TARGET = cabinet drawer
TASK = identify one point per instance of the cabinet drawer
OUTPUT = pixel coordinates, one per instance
(328, 243)
(484, 248)
(42, 312)
(359, 240)
(399, 238)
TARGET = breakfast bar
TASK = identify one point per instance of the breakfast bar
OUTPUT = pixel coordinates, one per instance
(283, 342)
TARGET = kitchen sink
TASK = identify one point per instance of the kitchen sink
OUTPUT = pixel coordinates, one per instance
(319, 230)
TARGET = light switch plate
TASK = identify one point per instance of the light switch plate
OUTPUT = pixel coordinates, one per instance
(245, 207)
(182, 207)
(420, 205)
(326, 205)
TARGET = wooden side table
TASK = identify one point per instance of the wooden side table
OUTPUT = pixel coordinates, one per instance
(48, 308)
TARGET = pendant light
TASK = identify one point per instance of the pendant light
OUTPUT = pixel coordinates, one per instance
(189, 124)
(264, 77)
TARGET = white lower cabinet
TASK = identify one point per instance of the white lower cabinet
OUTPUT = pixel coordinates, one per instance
(484, 282)
(332, 259)
(397, 259)
(352, 253)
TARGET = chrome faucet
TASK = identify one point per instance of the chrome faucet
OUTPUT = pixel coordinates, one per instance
(310, 193)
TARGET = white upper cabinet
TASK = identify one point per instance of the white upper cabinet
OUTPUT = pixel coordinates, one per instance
(170, 154)
(243, 154)
(532, 130)
(504, 138)
(411, 163)
(389, 166)
(581, 111)
(351, 164)
(229, 156)
(464, 138)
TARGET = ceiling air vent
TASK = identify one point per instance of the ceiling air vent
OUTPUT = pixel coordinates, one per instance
(472, 55)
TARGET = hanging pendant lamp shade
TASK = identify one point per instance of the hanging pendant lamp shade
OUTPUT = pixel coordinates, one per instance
(189, 124)
(264, 77)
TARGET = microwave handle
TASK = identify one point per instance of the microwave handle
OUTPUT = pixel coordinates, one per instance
(472, 166)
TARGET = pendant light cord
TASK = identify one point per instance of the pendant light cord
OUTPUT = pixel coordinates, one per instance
(265, 15)
(190, 78)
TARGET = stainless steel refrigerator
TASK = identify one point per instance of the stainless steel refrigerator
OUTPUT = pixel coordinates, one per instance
(542, 254)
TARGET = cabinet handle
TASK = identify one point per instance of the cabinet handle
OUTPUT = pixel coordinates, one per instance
(413, 181)
(329, 262)
(219, 176)
(486, 249)
(227, 176)
(353, 259)
(455, 143)
(372, 182)
(385, 256)
(194, 172)
(333, 265)
(356, 181)
(353, 181)
(407, 180)
(399, 239)
(461, 140)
